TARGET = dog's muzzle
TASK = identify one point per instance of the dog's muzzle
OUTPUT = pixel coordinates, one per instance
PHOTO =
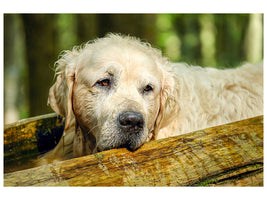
(130, 125)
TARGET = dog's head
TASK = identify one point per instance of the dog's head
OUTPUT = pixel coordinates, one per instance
(117, 90)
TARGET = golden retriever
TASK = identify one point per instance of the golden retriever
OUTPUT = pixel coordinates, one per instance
(120, 92)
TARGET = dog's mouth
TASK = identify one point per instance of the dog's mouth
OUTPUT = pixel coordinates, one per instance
(129, 132)
(131, 144)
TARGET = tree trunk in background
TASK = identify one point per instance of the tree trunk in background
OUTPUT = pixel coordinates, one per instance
(127, 24)
(11, 90)
(207, 39)
(66, 33)
(40, 46)
(230, 34)
(87, 27)
(16, 105)
(254, 39)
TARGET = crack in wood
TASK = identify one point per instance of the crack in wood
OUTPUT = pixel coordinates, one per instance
(230, 175)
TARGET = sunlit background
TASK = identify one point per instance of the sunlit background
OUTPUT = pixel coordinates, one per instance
(32, 43)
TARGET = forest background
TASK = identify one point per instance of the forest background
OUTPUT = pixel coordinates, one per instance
(33, 42)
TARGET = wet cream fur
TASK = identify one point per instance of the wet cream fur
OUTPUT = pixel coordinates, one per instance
(184, 98)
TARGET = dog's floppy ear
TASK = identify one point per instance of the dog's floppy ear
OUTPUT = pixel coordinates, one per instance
(168, 103)
(60, 94)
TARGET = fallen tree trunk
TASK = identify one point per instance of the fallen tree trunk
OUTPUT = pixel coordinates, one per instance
(226, 155)
(28, 138)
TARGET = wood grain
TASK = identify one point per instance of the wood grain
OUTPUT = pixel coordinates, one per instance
(26, 139)
(226, 155)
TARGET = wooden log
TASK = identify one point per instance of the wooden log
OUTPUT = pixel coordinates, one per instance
(26, 139)
(230, 154)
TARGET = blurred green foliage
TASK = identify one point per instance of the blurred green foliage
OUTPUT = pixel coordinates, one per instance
(36, 40)
(216, 40)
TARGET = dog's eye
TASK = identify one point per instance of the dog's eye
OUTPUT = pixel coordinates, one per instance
(104, 83)
(148, 88)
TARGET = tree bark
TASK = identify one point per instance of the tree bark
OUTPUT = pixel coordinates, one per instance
(26, 139)
(230, 154)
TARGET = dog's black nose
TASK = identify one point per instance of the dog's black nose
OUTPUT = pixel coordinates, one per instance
(130, 121)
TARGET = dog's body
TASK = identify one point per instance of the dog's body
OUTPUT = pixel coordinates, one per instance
(210, 97)
(119, 92)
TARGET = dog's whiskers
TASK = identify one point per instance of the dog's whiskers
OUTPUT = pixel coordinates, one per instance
(91, 129)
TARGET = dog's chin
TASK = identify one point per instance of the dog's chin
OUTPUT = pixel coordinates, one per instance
(129, 145)
(126, 146)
